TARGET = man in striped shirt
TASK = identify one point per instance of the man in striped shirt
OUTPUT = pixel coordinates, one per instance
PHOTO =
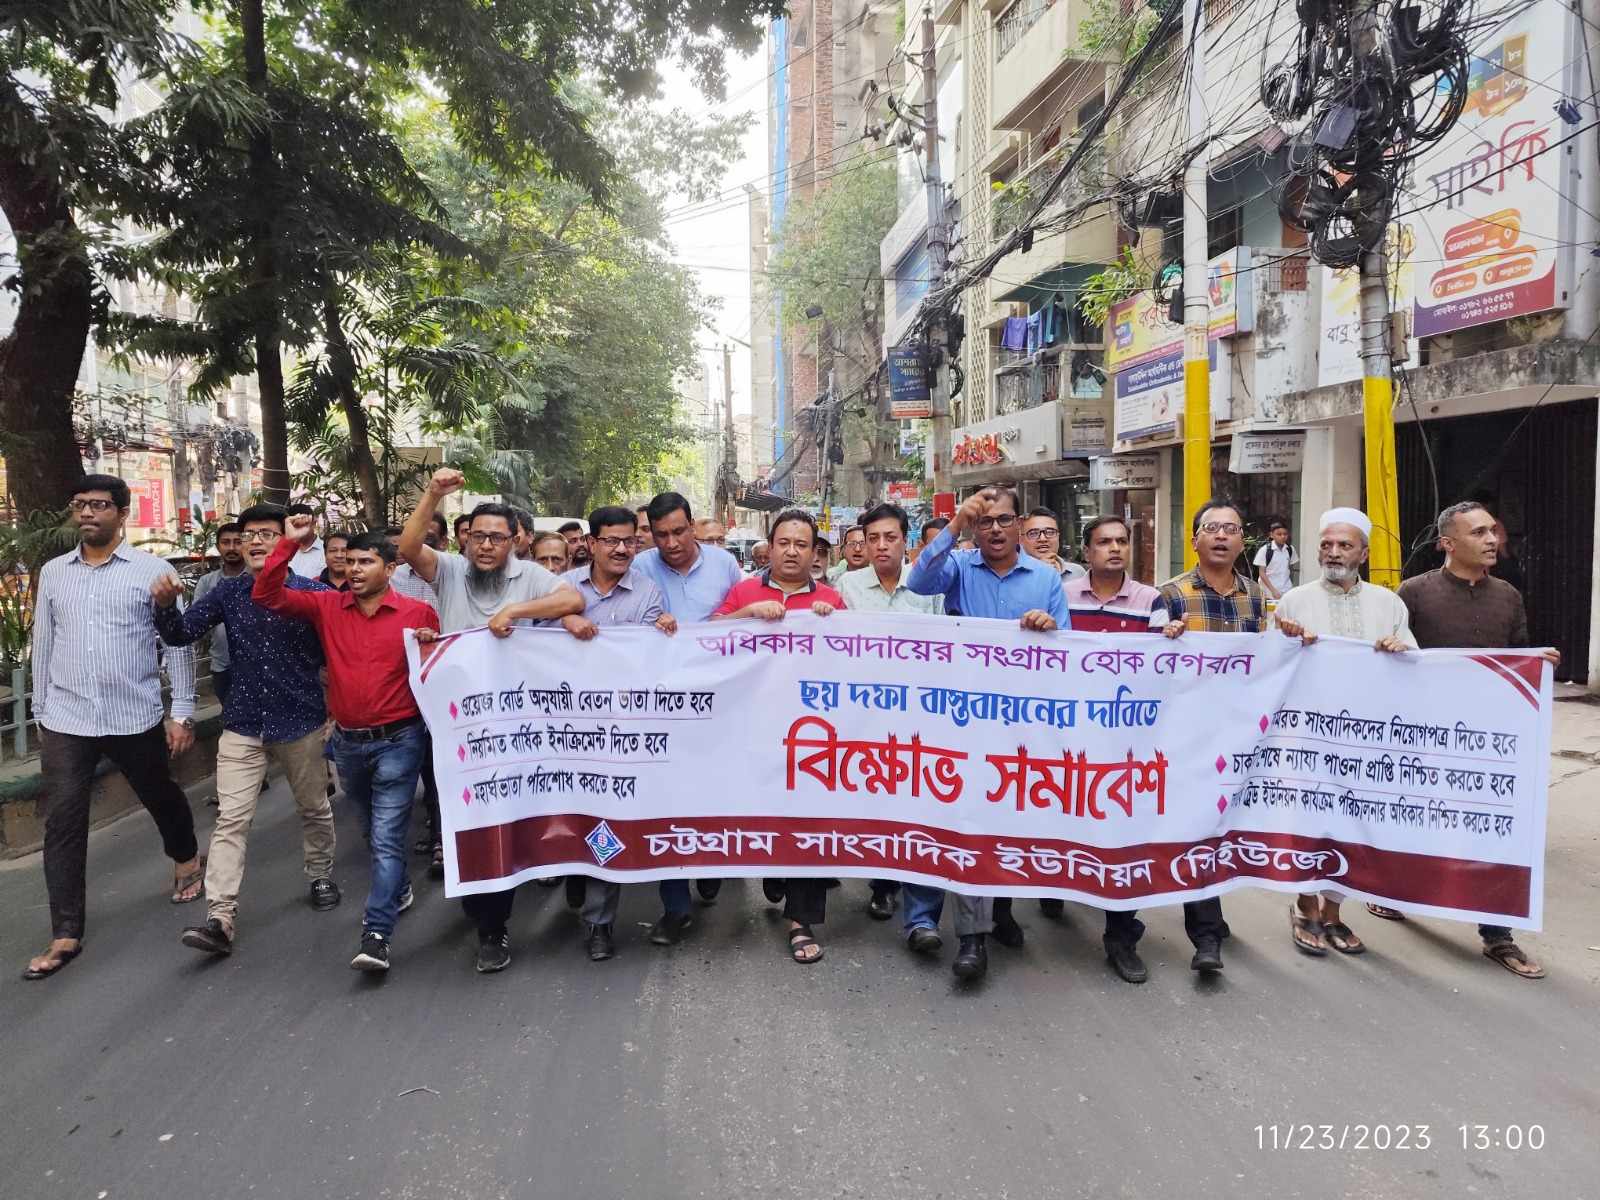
(97, 691)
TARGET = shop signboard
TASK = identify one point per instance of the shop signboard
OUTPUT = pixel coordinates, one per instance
(908, 383)
(1273, 453)
(1132, 472)
(1015, 440)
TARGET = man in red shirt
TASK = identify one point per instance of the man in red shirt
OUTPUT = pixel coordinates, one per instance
(379, 734)
(786, 586)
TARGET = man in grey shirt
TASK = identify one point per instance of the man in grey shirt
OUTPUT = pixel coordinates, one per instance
(486, 586)
(230, 549)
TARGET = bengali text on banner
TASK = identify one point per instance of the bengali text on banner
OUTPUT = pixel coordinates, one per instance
(1121, 771)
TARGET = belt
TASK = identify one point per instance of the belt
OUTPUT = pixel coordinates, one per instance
(376, 733)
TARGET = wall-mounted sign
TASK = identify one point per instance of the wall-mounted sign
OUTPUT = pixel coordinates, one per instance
(1130, 471)
(1016, 440)
(904, 491)
(1230, 288)
(908, 383)
(1267, 453)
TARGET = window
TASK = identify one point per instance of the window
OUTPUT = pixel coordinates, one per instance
(1224, 231)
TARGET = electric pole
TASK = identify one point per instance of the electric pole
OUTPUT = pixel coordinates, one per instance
(1377, 382)
(1196, 302)
(938, 248)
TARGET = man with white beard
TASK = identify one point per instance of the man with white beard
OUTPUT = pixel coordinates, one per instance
(1341, 604)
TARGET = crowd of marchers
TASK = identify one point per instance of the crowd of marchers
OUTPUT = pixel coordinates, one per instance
(308, 638)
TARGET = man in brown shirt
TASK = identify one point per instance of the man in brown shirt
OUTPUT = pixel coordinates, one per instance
(1462, 605)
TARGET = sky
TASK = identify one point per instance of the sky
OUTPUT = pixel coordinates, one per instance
(716, 240)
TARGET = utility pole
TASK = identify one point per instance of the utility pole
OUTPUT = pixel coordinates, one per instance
(1377, 382)
(938, 249)
(1196, 303)
(730, 449)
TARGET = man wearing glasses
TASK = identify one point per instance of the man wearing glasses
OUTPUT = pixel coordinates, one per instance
(485, 586)
(1041, 539)
(97, 691)
(992, 580)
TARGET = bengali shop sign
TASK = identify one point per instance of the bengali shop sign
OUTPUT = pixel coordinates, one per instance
(1117, 770)
(1490, 244)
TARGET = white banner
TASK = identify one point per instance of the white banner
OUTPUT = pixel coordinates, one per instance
(1117, 770)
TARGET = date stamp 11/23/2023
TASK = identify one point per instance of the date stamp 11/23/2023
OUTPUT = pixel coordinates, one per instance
(1385, 1136)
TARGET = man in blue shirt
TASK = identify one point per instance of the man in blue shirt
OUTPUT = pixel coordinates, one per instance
(693, 578)
(992, 580)
(274, 708)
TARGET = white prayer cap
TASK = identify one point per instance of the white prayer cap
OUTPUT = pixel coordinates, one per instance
(1347, 516)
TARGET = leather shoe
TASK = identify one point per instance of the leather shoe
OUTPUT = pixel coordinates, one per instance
(972, 959)
(881, 906)
(212, 937)
(601, 947)
(709, 889)
(923, 940)
(1007, 932)
(1207, 956)
(670, 928)
(1125, 961)
(324, 894)
(1052, 908)
(774, 890)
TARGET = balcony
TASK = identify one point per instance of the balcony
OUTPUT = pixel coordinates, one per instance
(1091, 238)
(1036, 51)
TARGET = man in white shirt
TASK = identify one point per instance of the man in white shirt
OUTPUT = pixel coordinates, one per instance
(1274, 560)
(309, 560)
(1340, 604)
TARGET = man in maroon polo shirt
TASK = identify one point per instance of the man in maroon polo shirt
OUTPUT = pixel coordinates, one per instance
(378, 730)
(787, 586)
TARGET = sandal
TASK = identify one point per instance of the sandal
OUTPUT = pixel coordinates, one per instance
(195, 879)
(1306, 932)
(1510, 956)
(436, 867)
(1343, 939)
(801, 942)
(1387, 914)
(55, 960)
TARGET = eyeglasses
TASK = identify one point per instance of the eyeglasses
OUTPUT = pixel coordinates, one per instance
(1004, 521)
(1041, 535)
(1228, 527)
(614, 543)
(79, 506)
(489, 539)
(261, 535)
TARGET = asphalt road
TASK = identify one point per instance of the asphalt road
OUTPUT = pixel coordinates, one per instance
(718, 1069)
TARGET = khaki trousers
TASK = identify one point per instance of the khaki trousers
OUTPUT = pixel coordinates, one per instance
(241, 768)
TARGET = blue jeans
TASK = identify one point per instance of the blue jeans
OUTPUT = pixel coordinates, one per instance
(380, 779)
(925, 905)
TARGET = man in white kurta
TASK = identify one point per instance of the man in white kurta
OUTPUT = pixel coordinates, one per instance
(1341, 604)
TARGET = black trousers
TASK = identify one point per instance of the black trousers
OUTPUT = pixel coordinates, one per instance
(490, 911)
(221, 681)
(68, 762)
(1201, 919)
(806, 900)
(430, 789)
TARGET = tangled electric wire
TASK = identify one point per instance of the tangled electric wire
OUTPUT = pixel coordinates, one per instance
(1366, 90)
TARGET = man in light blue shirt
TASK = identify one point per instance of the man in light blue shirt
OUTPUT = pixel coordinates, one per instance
(693, 578)
(993, 580)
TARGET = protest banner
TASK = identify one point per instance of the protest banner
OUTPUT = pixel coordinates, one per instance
(1117, 770)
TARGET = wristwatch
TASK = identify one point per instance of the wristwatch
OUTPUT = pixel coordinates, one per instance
(187, 722)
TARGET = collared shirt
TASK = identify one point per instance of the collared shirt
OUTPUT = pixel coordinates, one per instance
(338, 587)
(96, 653)
(1129, 611)
(1447, 610)
(1066, 569)
(1200, 607)
(368, 677)
(864, 592)
(413, 586)
(276, 693)
(753, 591)
(461, 607)
(219, 637)
(838, 571)
(692, 595)
(1365, 612)
(633, 601)
(971, 587)
(309, 562)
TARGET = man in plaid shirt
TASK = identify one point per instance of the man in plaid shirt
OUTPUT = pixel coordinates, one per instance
(1213, 598)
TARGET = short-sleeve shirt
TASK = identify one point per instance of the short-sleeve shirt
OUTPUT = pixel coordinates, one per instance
(692, 595)
(462, 608)
(1275, 561)
(753, 591)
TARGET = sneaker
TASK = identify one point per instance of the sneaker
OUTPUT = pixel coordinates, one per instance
(494, 953)
(374, 953)
(407, 899)
(212, 937)
(670, 928)
(325, 894)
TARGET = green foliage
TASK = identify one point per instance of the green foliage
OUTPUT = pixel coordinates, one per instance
(1111, 31)
(827, 253)
(24, 548)
(1112, 285)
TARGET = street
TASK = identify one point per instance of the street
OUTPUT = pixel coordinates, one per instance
(717, 1068)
